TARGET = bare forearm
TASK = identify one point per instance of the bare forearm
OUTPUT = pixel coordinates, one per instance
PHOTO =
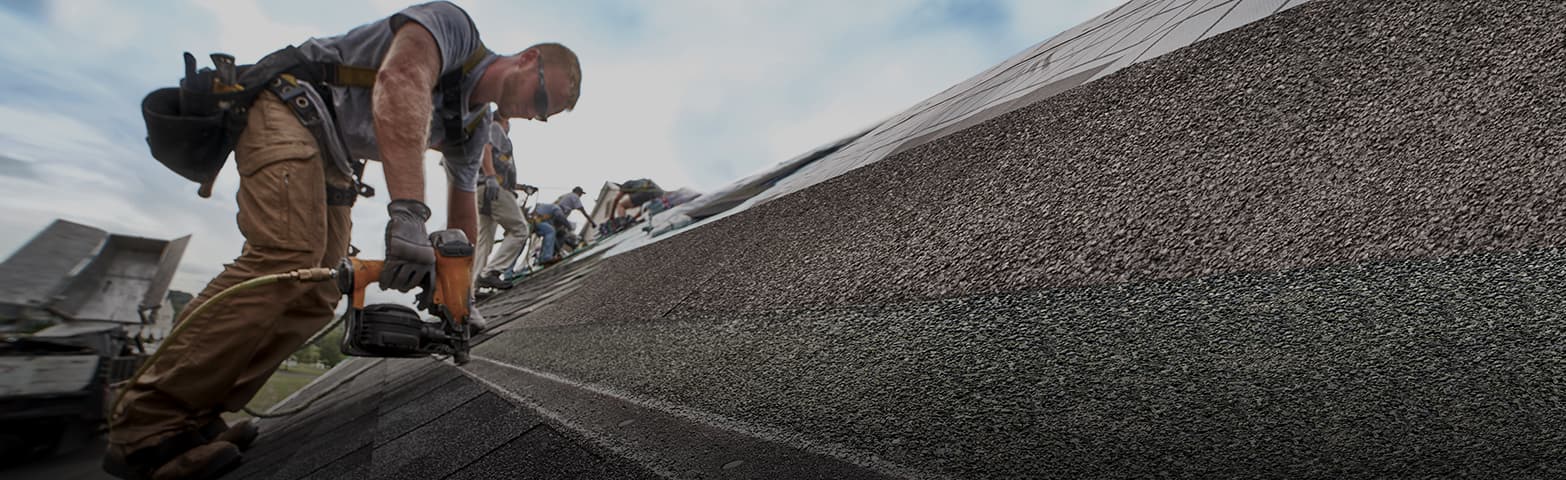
(402, 106)
(489, 162)
(403, 138)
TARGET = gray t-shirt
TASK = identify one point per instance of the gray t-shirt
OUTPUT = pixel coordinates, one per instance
(568, 202)
(500, 156)
(499, 140)
(366, 46)
(555, 214)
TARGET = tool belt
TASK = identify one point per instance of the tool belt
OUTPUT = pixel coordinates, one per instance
(505, 172)
(509, 178)
(192, 128)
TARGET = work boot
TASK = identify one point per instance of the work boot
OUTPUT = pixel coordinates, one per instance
(117, 464)
(242, 434)
(476, 322)
(205, 462)
(491, 279)
(145, 463)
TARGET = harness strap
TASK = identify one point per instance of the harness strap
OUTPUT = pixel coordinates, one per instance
(341, 197)
(449, 87)
(351, 76)
(298, 97)
(355, 76)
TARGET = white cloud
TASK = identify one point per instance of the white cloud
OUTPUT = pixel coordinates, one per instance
(781, 77)
(99, 23)
(247, 31)
(67, 150)
(686, 92)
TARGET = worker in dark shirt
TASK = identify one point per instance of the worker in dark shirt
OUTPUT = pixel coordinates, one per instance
(634, 194)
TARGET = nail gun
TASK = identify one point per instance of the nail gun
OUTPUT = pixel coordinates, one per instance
(393, 330)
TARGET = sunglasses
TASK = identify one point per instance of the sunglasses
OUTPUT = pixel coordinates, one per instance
(541, 94)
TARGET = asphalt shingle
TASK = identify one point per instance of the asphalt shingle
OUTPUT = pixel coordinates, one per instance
(1323, 244)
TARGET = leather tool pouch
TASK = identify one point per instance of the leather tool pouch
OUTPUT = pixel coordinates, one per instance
(192, 129)
(195, 144)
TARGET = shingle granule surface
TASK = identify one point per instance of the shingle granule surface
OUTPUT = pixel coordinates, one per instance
(1403, 369)
(1332, 133)
(1325, 244)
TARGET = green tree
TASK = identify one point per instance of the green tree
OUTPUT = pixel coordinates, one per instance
(309, 355)
(331, 346)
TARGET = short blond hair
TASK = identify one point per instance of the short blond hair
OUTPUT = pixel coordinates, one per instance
(557, 56)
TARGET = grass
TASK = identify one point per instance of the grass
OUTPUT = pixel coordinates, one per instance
(302, 369)
(283, 383)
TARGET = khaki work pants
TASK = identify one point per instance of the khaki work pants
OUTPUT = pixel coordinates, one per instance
(219, 361)
(508, 215)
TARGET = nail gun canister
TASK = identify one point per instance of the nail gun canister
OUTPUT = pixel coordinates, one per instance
(385, 330)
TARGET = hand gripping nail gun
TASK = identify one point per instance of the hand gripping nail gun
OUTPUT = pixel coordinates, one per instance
(393, 330)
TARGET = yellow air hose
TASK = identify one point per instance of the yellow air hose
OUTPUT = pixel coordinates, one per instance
(318, 274)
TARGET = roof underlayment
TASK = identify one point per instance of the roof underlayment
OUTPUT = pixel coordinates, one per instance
(1321, 244)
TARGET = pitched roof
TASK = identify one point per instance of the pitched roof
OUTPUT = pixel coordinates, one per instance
(1314, 245)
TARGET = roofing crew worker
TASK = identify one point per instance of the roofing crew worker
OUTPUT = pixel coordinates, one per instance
(572, 201)
(498, 206)
(548, 220)
(635, 193)
(294, 214)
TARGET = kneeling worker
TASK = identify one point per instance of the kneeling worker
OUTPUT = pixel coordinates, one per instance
(635, 193)
(549, 220)
(294, 206)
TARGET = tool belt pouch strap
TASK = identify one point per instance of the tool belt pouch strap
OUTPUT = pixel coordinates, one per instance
(310, 108)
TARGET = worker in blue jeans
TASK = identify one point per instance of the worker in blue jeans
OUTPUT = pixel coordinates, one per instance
(548, 220)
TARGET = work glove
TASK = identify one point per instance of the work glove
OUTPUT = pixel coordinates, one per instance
(409, 256)
(491, 192)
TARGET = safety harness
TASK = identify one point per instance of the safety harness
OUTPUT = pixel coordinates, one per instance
(449, 86)
(314, 110)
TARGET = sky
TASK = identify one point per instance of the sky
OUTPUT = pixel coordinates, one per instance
(689, 93)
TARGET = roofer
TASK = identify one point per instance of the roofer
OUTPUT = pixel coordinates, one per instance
(635, 193)
(390, 100)
(572, 201)
(549, 220)
(498, 206)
